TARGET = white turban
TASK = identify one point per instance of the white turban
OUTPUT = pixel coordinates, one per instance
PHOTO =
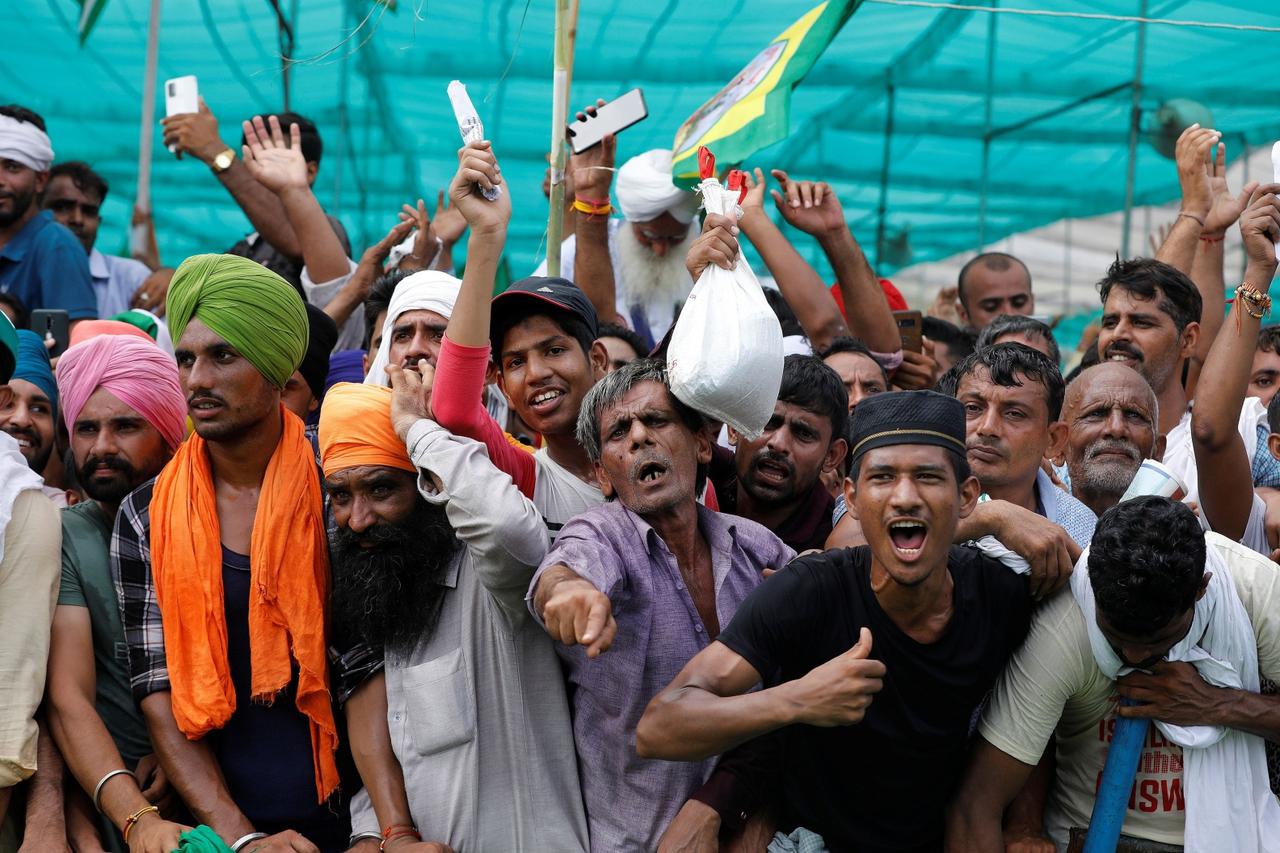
(429, 290)
(645, 191)
(25, 143)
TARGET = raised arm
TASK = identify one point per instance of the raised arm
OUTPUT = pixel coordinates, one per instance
(799, 283)
(592, 265)
(1191, 154)
(197, 134)
(281, 168)
(815, 210)
(1226, 491)
(707, 709)
(352, 290)
(477, 165)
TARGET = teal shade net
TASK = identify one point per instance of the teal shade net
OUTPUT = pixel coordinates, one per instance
(374, 81)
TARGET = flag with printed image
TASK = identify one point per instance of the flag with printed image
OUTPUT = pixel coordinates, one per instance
(752, 111)
(89, 12)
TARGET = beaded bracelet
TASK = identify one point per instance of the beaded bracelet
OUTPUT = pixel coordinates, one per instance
(132, 819)
(1255, 303)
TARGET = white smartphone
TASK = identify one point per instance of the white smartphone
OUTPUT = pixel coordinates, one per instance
(181, 95)
(614, 117)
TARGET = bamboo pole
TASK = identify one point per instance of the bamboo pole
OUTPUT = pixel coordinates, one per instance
(141, 235)
(562, 78)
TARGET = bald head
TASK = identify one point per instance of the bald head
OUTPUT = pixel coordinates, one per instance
(1111, 415)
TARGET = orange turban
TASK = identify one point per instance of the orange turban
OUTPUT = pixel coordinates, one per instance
(355, 429)
(87, 329)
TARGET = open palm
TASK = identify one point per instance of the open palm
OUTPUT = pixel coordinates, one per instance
(276, 164)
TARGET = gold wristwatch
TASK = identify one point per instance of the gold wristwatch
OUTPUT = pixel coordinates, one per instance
(223, 161)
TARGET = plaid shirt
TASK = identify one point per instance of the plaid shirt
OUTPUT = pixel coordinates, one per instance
(136, 592)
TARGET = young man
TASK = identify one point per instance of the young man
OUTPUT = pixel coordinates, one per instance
(543, 341)
(1111, 415)
(623, 345)
(1177, 621)
(30, 537)
(874, 658)
(41, 262)
(776, 480)
(1264, 376)
(126, 415)
(992, 284)
(221, 567)
(433, 551)
(29, 414)
(857, 368)
(650, 577)
(74, 195)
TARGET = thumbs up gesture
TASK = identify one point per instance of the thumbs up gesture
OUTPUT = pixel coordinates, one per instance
(839, 692)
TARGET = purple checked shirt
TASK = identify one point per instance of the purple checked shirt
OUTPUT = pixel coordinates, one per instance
(630, 800)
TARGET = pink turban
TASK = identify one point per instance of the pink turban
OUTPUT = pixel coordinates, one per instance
(134, 370)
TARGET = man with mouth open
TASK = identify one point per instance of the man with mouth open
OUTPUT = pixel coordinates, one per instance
(874, 658)
(654, 575)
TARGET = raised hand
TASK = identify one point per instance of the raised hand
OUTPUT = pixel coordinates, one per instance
(592, 170)
(1225, 208)
(194, 133)
(718, 244)
(838, 692)
(478, 169)
(425, 246)
(1192, 155)
(811, 206)
(576, 613)
(1260, 228)
(276, 164)
(448, 221)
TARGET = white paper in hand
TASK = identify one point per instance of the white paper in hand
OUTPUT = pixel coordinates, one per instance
(725, 356)
(469, 124)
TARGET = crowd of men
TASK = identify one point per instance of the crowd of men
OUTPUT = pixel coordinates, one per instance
(301, 551)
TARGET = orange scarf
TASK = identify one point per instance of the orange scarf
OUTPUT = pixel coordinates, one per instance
(289, 563)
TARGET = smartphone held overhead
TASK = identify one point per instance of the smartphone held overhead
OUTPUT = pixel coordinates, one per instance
(181, 96)
(612, 118)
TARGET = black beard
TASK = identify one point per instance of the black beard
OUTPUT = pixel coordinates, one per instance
(389, 595)
(109, 493)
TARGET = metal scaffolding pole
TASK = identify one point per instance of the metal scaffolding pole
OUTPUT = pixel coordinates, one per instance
(1135, 124)
(986, 129)
(884, 173)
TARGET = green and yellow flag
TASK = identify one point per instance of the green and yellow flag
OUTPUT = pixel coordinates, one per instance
(751, 112)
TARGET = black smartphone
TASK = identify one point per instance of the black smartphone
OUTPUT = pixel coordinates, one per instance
(55, 322)
(614, 117)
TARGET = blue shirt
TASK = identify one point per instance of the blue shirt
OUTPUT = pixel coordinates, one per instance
(115, 280)
(45, 266)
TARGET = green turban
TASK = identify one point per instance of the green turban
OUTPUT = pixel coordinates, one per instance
(247, 305)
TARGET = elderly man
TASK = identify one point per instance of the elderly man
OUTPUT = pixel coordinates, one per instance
(433, 551)
(874, 660)
(41, 262)
(1177, 621)
(1111, 415)
(29, 414)
(650, 577)
(221, 566)
(992, 284)
(126, 415)
(29, 540)
(634, 267)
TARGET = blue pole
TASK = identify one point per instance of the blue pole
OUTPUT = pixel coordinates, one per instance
(1117, 780)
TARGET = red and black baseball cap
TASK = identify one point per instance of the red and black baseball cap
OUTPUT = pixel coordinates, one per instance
(533, 295)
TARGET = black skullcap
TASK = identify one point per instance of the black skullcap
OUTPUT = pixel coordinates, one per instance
(907, 417)
(323, 336)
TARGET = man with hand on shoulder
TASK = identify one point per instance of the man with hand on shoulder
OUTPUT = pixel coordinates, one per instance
(874, 658)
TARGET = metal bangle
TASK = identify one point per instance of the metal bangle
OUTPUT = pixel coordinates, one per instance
(245, 839)
(97, 790)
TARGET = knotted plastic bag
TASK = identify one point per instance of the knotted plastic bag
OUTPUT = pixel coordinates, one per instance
(725, 356)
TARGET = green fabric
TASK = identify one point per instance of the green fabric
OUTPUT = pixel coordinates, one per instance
(140, 320)
(202, 839)
(86, 582)
(753, 110)
(247, 305)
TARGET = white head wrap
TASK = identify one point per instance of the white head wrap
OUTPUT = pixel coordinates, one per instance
(429, 290)
(645, 191)
(25, 143)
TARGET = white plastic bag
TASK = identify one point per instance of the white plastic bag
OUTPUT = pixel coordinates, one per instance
(725, 356)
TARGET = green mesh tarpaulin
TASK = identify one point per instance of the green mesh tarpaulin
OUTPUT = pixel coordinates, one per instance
(374, 81)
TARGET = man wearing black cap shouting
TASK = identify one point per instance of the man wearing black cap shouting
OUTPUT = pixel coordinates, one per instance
(873, 659)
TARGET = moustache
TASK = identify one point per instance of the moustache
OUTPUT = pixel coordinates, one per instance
(647, 458)
(113, 463)
(1112, 445)
(28, 433)
(987, 444)
(774, 459)
(205, 397)
(1120, 348)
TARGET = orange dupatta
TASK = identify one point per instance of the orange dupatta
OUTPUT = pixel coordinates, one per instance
(289, 566)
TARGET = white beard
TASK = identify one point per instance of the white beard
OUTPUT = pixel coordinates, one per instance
(650, 280)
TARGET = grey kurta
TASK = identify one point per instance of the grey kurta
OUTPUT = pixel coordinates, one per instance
(477, 712)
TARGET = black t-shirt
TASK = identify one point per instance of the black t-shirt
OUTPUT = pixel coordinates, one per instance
(257, 249)
(880, 785)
